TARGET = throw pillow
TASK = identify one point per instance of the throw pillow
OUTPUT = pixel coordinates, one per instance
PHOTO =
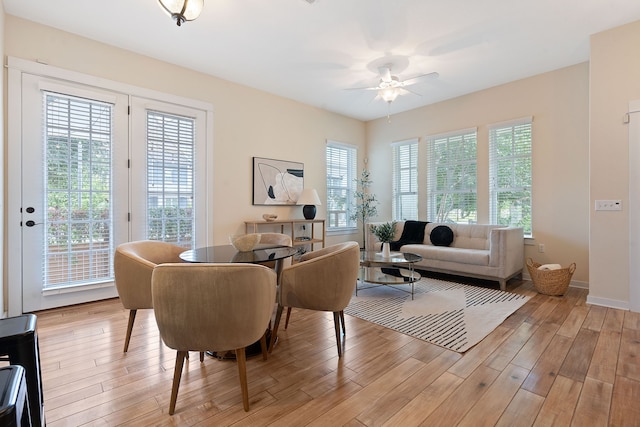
(441, 236)
(413, 232)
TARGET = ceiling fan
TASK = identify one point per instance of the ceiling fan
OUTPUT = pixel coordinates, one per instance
(391, 86)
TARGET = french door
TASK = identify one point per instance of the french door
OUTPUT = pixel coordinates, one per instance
(99, 168)
(74, 151)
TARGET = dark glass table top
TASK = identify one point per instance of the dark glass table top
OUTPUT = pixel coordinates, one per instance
(227, 253)
(376, 257)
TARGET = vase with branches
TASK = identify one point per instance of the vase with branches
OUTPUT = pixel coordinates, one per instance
(365, 203)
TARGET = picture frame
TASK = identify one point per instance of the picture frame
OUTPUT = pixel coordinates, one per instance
(277, 182)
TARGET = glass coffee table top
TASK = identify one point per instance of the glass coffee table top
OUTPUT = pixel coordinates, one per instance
(396, 269)
(371, 258)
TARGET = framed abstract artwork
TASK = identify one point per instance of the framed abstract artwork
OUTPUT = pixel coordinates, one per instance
(277, 182)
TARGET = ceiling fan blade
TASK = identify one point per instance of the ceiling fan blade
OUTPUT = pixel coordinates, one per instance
(414, 80)
(363, 88)
(405, 90)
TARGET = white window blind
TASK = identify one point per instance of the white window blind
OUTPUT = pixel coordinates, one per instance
(78, 191)
(170, 191)
(341, 174)
(510, 174)
(405, 180)
(452, 178)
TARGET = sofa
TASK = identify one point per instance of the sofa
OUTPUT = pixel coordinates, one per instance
(483, 251)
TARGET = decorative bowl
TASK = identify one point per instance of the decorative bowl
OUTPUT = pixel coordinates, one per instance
(269, 217)
(245, 242)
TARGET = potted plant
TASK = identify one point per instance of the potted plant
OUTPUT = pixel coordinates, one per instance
(385, 233)
(365, 203)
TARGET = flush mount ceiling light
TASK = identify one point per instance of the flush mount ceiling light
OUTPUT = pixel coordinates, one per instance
(182, 10)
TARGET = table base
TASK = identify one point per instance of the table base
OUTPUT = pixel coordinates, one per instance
(388, 276)
(251, 350)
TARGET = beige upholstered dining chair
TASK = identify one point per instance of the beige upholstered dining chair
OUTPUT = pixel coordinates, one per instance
(133, 264)
(323, 280)
(217, 307)
(276, 239)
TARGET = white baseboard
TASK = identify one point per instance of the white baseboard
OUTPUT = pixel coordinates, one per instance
(579, 284)
(572, 284)
(606, 302)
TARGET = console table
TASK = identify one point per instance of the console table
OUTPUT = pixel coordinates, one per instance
(292, 228)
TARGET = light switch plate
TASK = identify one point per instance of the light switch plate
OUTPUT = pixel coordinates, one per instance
(608, 205)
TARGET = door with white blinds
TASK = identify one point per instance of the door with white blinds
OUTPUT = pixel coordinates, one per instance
(74, 145)
(94, 175)
(168, 160)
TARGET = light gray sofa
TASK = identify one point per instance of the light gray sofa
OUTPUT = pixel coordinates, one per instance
(482, 251)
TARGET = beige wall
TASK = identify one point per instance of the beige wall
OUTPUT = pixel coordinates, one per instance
(615, 80)
(569, 170)
(558, 102)
(247, 122)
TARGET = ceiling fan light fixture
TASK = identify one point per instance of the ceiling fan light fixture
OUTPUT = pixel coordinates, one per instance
(389, 94)
(182, 10)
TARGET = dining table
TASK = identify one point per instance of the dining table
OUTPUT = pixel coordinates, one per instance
(261, 253)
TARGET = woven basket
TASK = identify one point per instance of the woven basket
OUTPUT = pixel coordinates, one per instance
(550, 282)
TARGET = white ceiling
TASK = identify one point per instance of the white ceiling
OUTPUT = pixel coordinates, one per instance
(312, 53)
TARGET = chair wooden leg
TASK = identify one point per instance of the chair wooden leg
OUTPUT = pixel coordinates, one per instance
(286, 321)
(242, 370)
(344, 328)
(263, 345)
(132, 318)
(336, 322)
(177, 373)
(201, 356)
(274, 332)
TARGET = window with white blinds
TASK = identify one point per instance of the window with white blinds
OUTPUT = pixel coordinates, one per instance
(452, 180)
(170, 182)
(78, 191)
(405, 180)
(341, 174)
(510, 174)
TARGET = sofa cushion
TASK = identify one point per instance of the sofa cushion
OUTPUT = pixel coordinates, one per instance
(441, 236)
(443, 253)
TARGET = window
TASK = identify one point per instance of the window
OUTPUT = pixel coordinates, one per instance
(78, 191)
(510, 174)
(341, 175)
(405, 180)
(170, 192)
(452, 181)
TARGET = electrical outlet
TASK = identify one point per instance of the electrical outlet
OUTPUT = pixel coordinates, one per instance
(608, 205)
(541, 248)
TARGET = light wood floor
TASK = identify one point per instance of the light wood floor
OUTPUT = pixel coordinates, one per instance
(556, 361)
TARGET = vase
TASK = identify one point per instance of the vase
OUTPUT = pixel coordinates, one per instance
(386, 250)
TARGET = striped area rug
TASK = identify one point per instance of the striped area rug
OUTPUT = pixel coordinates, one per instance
(448, 314)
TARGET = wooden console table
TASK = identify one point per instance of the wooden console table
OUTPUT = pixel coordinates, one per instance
(291, 227)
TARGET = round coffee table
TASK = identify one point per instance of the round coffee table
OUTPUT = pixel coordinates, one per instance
(396, 269)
